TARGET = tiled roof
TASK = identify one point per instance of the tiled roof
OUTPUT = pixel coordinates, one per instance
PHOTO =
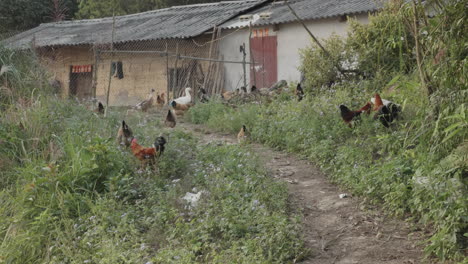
(174, 22)
(279, 12)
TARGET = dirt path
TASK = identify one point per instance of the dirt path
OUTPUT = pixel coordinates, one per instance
(337, 230)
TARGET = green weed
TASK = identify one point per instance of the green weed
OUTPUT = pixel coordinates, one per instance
(416, 167)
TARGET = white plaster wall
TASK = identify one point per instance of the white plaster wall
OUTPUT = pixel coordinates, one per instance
(292, 37)
(229, 50)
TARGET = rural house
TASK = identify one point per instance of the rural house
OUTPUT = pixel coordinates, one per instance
(152, 50)
(277, 37)
(194, 45)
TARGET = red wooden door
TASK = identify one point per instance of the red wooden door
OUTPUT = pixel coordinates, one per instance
(265, 70)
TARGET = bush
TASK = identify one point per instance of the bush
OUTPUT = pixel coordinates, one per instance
(68, 193)
(417, 166)
(20, 77)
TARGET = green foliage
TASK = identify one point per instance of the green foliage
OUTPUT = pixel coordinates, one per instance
(235, 221)
(20, 15)
(385, 43)
(70, 194)
(106, 8)
(75, 196)
(20, 76)
(395, 167)
(319, 69)
(418, 166)
(223, 118)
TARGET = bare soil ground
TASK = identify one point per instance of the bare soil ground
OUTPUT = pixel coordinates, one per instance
(336, 230)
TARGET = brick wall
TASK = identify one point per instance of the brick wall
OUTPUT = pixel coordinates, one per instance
(142, 72)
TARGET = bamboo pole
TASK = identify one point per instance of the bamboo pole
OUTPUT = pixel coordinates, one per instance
(216, 86)
(110, 70)
(167, 73)
(252, 59)
(205, 81)
(244, 65)
(95, 68)
(172, 55)
(422, 75)
(176, 72)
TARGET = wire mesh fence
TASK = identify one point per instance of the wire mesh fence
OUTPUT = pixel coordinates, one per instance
(125, 72)
(129, 71)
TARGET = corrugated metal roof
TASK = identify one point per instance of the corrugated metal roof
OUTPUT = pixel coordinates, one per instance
(306, 9)
(174, 22)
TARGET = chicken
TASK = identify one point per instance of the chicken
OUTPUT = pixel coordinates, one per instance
(299, 92)
(148, 155)
(180, 107)
(146, 104)
(348, 116)
(203, 96)
(187, 99)
(99, 109)
(179, 112)
(124, 135)
(161, 100)
(387, 111)
(170, 119)
(366, 108)
(265, 91)
(242, 135)
(254, 89)
(229, 94)
(377, 102)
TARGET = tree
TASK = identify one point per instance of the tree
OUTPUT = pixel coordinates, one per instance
(106, 8)
(17, 15)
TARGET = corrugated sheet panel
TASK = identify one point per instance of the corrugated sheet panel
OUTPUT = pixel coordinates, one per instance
(175, 22)
(306, 9)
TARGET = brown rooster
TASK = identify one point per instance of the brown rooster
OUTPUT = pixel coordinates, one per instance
(180, 109)
(387, 111)
(148, 155)
(348, 116)
(377, 101)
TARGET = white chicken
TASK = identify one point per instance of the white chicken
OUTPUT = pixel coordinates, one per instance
(185, 99)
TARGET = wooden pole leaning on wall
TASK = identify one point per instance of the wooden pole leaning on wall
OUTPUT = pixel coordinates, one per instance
(96, 53)
(252, 59)
(167, 74)
(205, 80)
(217, 72)
(110, 70)
(338, 67)
(176, 73)
(244, 64)
(422, 74)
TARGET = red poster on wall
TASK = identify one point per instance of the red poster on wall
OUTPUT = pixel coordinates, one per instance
(82, 68)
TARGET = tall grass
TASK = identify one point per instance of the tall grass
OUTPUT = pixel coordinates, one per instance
(417, 168)
(70, 194)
